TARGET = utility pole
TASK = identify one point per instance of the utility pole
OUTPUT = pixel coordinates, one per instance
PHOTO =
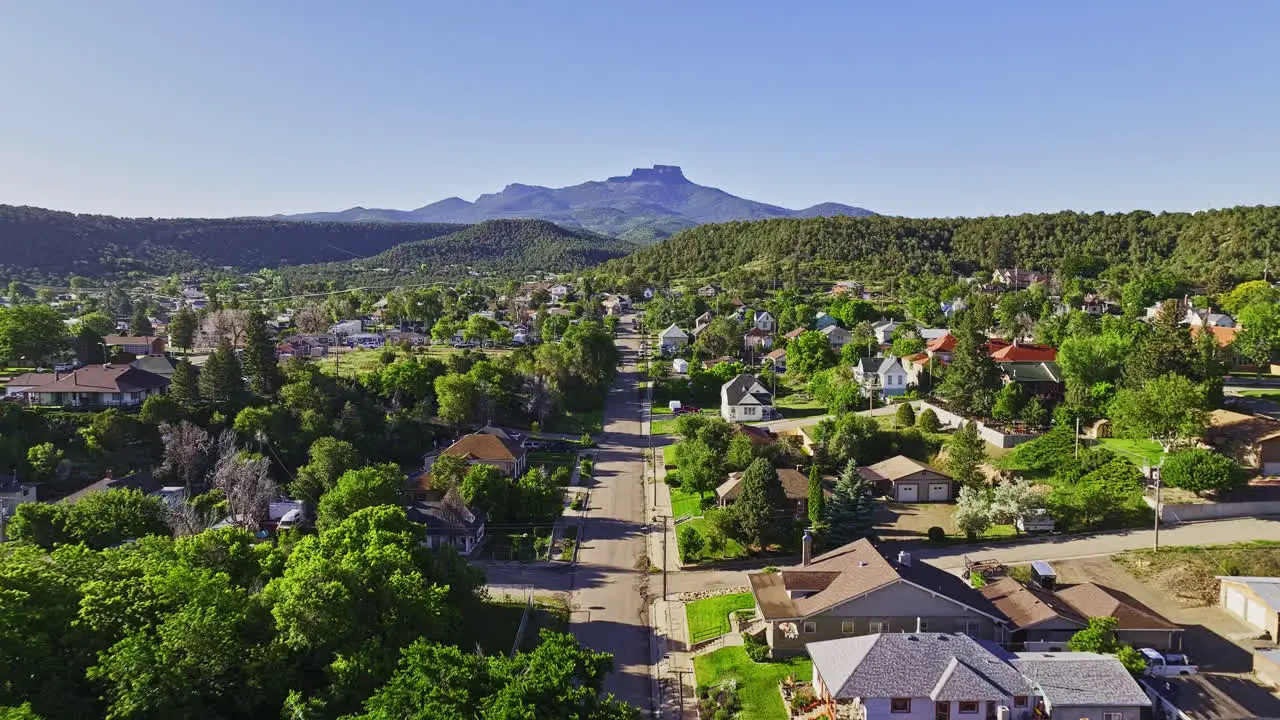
(1157, 471)
(1077, 436)
(663, 529)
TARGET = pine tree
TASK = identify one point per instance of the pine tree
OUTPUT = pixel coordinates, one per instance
(221, 380)
(966, 453)
(971, 375)
(184, 387)
(761, 503)
(851, 512)
(817, 498)
(1165, 349)
(182, 328)
(905, 415)
(140, 324)
(260, 364)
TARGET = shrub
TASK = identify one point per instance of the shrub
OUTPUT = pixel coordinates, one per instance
(586, 466)
(691, 543)
(387, 357)
(906, 415)
(977, 580)
(1202, 471)
(937, 535)
(586, 441)
(803, 698)
(755, 649)
(928, 421)
(561, 475)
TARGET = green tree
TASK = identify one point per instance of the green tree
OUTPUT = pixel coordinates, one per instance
(1249, 293)
(33, 332)
(761, 505)
(1034, 413)
(1168, 409)
(691, 543)
(905, 415)
(1008, 403)
(98, 322)
(140, 324)
(851, 512)
(817, 498)
(809, 353)
(260, 364)
(456, 398)
(928, 421)
(221, 381)
(184, 384)
(721, 337)
(99, 520)
(328, 459)
(88, 347)
(1202, 471)
(44, 460)
(182, 328)
(490, 489)
(972, 374)
(1165, 349)
(1099, 636)
(1260, 334)
(448, 471)
(359, 489)
(965, 455)
(701, 466)
(158, 409)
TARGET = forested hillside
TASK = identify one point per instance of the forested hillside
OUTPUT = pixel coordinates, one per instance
(502, 247)
(1198, 245)
(36, 243)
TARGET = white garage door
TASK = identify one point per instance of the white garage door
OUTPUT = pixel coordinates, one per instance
(908, 492)
(1271, 468)
(1256, 614)
(937, 491)
(1235, 602)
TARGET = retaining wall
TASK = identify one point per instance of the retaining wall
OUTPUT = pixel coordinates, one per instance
(995, 437)
(1191, 512)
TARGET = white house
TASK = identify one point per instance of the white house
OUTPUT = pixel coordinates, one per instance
(708, 291)
(560, 292)
(837, 336)
(764, 321)
(648, 293)
(883, 330)
(1204, 318)
(672, 339)
(778, 358)
(744, 399)
(823, 320)
(881, 374)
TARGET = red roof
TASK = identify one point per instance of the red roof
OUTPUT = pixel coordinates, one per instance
(756, 332)
(794, 333)
(946, 343)
(1021, 352)
(1224, 335)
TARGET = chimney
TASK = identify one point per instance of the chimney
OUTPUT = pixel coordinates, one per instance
(919, 624)
(806, 545)
(904, 557)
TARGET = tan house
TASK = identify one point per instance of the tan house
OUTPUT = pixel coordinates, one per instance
(1044, 620)
(137, 345)
(1136, 624)
(907, 480)
(92, 386)
(855, 590)
(1254, 600)
(1253, 440)
(794, 483)
(489, 446)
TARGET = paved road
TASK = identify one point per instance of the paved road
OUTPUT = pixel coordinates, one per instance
(1218, 532)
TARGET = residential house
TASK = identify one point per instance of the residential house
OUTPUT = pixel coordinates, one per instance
(346, 328)
(881, 375)
(795, 485)
(1037, 379)
(949, 309)
(560, 292)
(837, 337)
(680, 366)
(803, 438)
(616, 304)
(489, 446)
(449, 523)
(1252, 440)
(1095, 304)
(883, 331)
(740, 313)
(847, 287)
(1003, 351)
(941, 349)
(792, 335)
(648, 293)
(299, 347)
(823, 320)
(703, 320)
(672, 339)
(927, 334)
(137, 345)
(925, 675)
(1181, 308)
(143, 482)
(1223, 335)
(855, 590)
(1196, 697)
(1078, 685)
(161, 365)
(1201, 317)
(762, 320)
(708, 291)
(1045, 618)
(777, 359)
(1254, 600)
(908, 480)
(915, 365)
(756, 340)
(13, 493)
(100, 385)
(27, 385)
(1016, 279)
(744, 399)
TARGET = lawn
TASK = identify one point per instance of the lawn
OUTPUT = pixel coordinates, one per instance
(670, 425)
(1139, 451)
(494, 626)
(669, 456)
(577, 422)
(685, 503)
(552, 460)
(709, 618)
(1189, 573)
(799, 405)
(732, 548)
(757, 682)
(1268, 395)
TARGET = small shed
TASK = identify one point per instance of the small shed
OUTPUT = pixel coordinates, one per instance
(680, 365)
(1100, 429)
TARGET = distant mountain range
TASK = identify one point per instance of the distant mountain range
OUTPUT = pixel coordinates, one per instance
(648, 205)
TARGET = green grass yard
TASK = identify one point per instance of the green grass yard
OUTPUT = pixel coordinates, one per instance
(757, 682)
(669, 425)
(669, 456)
(799, 406)
(1268, 395)
(732, 548)
(685, 503)
(1139, 451)
(709, 618)
(576, 423)
(552, 460)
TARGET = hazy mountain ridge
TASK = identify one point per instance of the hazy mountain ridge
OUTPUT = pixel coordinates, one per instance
(647, 205)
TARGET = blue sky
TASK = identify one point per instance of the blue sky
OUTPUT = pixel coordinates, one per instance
(180, 107)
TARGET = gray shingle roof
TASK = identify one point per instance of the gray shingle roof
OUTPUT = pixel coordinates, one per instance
(942, 667)
(1081, 679)
(737, 389)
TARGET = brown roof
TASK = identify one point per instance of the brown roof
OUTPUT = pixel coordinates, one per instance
(1091, 600)
(34, 379)
(794, 483)
(1027, 606)
(106, 378)
(944, 343)
(1021, 352)
(1242, 428)
(896, 468)
(128, 340)
(794, 333)
(757, 435)
(486, 447)
(1224, 335)
(848, 572)
(777, 354)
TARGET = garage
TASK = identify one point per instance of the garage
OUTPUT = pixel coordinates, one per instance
(1235, 602)
(1271, 468)
(939, 492)
(1252, 599)
(908, 492)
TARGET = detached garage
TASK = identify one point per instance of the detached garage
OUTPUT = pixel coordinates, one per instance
(1255, 600)
(907, 480)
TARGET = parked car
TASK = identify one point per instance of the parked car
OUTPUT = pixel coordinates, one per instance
(64, 367)
(1167, 664)
(1036, 520)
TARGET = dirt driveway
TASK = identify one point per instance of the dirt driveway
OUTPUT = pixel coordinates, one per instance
(911, 521)
(1219, 643)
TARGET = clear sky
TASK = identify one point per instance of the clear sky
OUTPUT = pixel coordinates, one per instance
(238, 107)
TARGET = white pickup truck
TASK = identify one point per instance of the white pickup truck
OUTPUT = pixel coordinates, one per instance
(1167, 664)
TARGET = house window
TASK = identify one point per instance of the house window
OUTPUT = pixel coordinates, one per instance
(968, 707)
(810, 627)
(1112, 716)
(846, 627)
(1019, 701)
(875, 626)
(900, 705)
(748, 411)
